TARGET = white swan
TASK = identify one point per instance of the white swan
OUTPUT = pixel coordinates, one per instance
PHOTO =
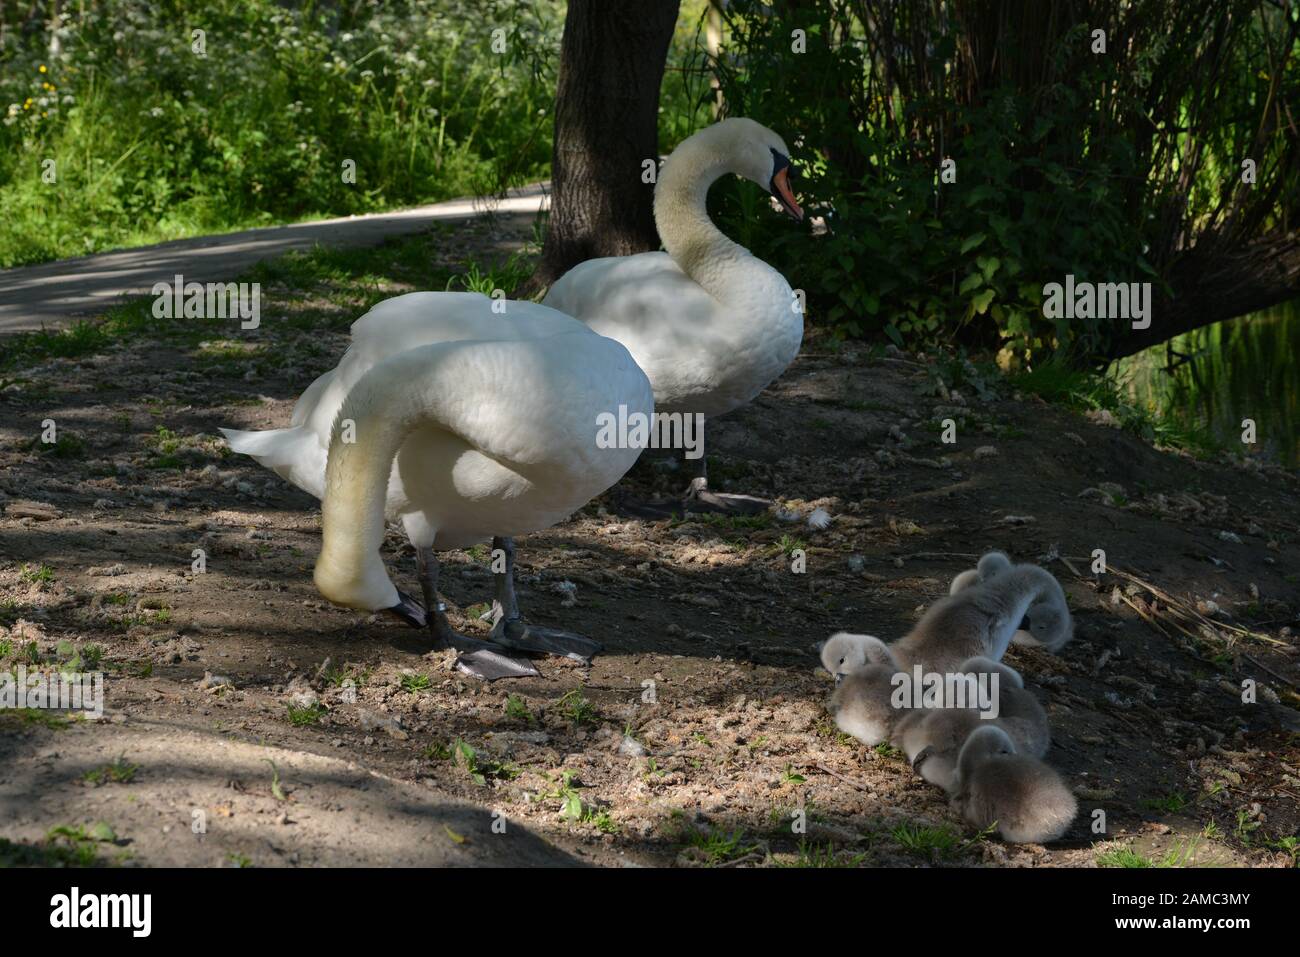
(711, 324)
(464, 423)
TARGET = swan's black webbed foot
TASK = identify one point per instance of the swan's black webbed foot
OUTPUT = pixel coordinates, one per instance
(409, 610)
(478, 658)
(699, 498)
(486, 660)
(516, 634)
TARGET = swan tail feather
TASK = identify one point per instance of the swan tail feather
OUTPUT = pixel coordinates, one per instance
(294, 454)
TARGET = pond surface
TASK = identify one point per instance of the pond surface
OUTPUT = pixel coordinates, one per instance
(1245, 368)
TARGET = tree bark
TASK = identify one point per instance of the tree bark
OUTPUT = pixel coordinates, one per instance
(606, 126)
(1216, 284)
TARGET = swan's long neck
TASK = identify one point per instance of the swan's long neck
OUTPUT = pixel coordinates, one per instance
(381, 410)
(1015, 590)
(725, 269)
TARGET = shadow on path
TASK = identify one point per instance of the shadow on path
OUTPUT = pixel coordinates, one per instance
(56, 294)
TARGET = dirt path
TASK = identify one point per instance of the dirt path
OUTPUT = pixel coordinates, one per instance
(202, 796)
(702, 732)
(56, 294)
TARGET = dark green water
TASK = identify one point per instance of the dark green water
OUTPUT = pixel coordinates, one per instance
(1245, 368)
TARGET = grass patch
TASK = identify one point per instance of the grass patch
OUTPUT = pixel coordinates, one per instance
(576, 708)
(788, 545)
(824, 856)
(36, 717)
(72, 660)
(66, 446)
(1086, 391)
(479, 769)
(1289, 845)
(302, 716)
(439, 111)
(1126, 857)
(572, 806)
(19, 854)
(925, 840)
(121, 771)
(517, 709)
(436, 752)
(505, 276)
(36, 574)
(716, 846)
(1169, 804)
(339, 677)
(414, 683)
(79, 845)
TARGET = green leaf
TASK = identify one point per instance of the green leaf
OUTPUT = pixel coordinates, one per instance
(572, 808)
(988, 265)
(973, 281)
(102, 831)
(980, 303)
(971, 242)
(276, 791)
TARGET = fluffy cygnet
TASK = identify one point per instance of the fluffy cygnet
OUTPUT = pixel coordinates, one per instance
(867, 680)
(934, 743)
(980, 618)
(1026, 800)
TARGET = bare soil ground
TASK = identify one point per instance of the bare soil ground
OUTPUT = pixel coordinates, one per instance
(323, 736)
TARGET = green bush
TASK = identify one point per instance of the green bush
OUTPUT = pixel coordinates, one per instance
(1066, 161)
(152, 141)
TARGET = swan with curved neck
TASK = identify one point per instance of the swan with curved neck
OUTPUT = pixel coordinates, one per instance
(711, 324)
(464, 423)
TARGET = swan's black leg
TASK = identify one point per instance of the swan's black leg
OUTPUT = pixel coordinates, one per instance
(479, 659)
(509, 628)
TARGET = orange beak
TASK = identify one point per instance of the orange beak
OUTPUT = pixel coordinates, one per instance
(781, 190)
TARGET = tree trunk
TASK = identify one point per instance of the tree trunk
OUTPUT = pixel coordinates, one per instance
(606, 124)
(1219, 284)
